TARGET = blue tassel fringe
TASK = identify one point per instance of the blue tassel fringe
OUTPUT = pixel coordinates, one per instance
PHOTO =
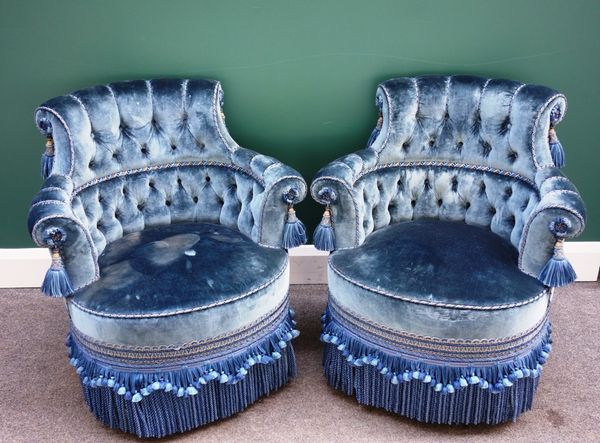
(294, 231)
(156, 404)
(47, 161)
(428, 392)
(558, 154)
(557, 272)
(373, 136)
(57, 283)
(324, 236)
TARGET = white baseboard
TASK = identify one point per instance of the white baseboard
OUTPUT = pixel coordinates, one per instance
(25, 268)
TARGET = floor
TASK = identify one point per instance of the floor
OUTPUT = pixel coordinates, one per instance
(40, 398)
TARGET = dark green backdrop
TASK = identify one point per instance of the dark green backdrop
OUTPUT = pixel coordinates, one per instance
(299, 77)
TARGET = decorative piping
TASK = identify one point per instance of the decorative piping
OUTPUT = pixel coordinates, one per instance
(67, 130)
(216, 118)
(436, 304)
(446, 164)
(369, 325)
(172, 165)
(189, 310)
(535, 126)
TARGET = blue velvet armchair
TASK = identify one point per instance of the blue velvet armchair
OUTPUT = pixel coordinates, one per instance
(169, 245)
(447, 234)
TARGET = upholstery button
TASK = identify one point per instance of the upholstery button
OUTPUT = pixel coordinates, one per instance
(207, 178)
(179, 181)
(140, 207)
(195, 198)
(431, 143)
(439, 202)
(459, 145)
(467, 205)
(173, 147)
(454, 183)
(168, 202)
(151, 184)
(413, 203)
(405, 145)
(508, 192)
(144, 150)
(200, 144)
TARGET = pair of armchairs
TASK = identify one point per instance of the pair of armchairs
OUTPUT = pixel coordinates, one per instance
(168, 241)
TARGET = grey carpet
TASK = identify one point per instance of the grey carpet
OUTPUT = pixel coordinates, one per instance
(40, 397)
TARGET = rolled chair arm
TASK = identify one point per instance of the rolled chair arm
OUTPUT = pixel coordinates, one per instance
(283, 187)
(333, 186)
(559, 215)
(50, 215)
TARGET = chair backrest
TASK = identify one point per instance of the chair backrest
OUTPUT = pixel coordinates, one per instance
(458, 148)
(146, 153)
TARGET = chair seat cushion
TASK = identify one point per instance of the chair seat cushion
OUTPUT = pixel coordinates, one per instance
(172, 284)
(438, 278)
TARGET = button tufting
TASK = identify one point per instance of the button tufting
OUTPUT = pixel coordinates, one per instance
(440, 202)
(151, 184)
(168, 202)
(459, 145)
(195, 199)
(207, 178)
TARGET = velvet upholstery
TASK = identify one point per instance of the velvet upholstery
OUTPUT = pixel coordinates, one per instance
(462, 149)
(147, 153)
(444, 226)
(438, 279)
(170, 235)
(159, 284)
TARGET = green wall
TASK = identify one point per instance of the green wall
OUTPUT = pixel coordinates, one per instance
(299, 77)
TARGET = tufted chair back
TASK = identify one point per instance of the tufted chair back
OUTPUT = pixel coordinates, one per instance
(146, 153)
(455, 148)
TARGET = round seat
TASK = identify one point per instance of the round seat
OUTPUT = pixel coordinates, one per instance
(439, 279)
(440, 313)
(187, 314)
(180, 283)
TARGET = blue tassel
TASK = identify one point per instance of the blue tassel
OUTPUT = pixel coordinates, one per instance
(57, 283)
(556, 150)
(376, 130)
(373, 136)
(557, 271)
(294, 232)
(47, 160)
(324, 236)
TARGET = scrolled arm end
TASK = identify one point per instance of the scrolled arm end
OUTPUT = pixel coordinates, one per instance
(53, 225)
(559, 215)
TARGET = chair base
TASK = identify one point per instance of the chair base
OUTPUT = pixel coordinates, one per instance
(418, 401)
(434, 380)
(155, 392)
(164, 413)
